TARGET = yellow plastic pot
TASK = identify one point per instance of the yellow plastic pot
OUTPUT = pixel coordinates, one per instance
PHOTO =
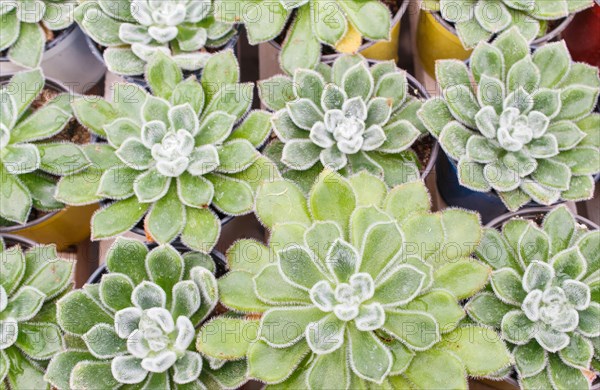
(437, 40)
(64, 228)
(379, 50)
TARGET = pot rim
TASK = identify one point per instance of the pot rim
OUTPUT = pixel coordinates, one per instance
(536, 42)
(525, 212)
(331, 57)
(50, 45)
(140, 79)
(24, 242)
(223, 222)
(530, 205)
(59, 87)
(217, 256)
(412, 82)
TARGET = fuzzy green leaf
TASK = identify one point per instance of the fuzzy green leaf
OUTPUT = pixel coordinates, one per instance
(463, 278)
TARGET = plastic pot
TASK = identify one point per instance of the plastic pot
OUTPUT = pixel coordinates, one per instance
(98, 51)
(437, 40)
(509, 383)
(67, 59)
(374, 50)
(11, 240)
(534, 213)
(585, 24)
(218, 257)
(488, 204)
(65, 227)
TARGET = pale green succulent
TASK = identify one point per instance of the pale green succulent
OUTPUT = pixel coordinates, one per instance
(134, 30)
(31, 283)
(22, 24)
(135, 326)
(313, 23)
(358, 288)
(27, 156)
(173, 154)
(545, 297)
(526, 130)
(348, 117)
(480, 20)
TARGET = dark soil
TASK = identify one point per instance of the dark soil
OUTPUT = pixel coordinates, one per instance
(73, 131)
(423, 147)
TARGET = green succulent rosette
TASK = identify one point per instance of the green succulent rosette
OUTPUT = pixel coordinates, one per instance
(23, 25)
(347, 117)
(133, 31)
(355, 290)
(544, 297)
(31, 283)
(526, 130)
(173, 154)
(313, 24)
(480, 20)
(136, 327)
(29, 160)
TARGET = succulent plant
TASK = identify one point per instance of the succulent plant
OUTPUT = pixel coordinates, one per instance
(31, 283)
(27, 156)
(172, 154)
(544, 297)
(480, 20)
(336, 23)
(134, 30)
(348, 118)
(136, 326)
(358, 286)
(527, 130)
(23, 31)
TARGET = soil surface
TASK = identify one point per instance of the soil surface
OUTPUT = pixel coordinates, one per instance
(423, 147)
(73, 131)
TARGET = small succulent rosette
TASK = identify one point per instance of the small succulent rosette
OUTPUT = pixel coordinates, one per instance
(26, 26)
(29, 160)
(173, 155)
(526, 130)
(347, 117)
(479, 20)
(138, 324)
(132, 31)
(31, 282)
(544, 298)
(337, 24)
(357, 288)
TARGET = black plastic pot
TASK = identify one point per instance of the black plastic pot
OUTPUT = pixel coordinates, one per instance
(218, 257)
(66, 58)
(139, 227)
(140, 80)
(534, 213)
(12, 240)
